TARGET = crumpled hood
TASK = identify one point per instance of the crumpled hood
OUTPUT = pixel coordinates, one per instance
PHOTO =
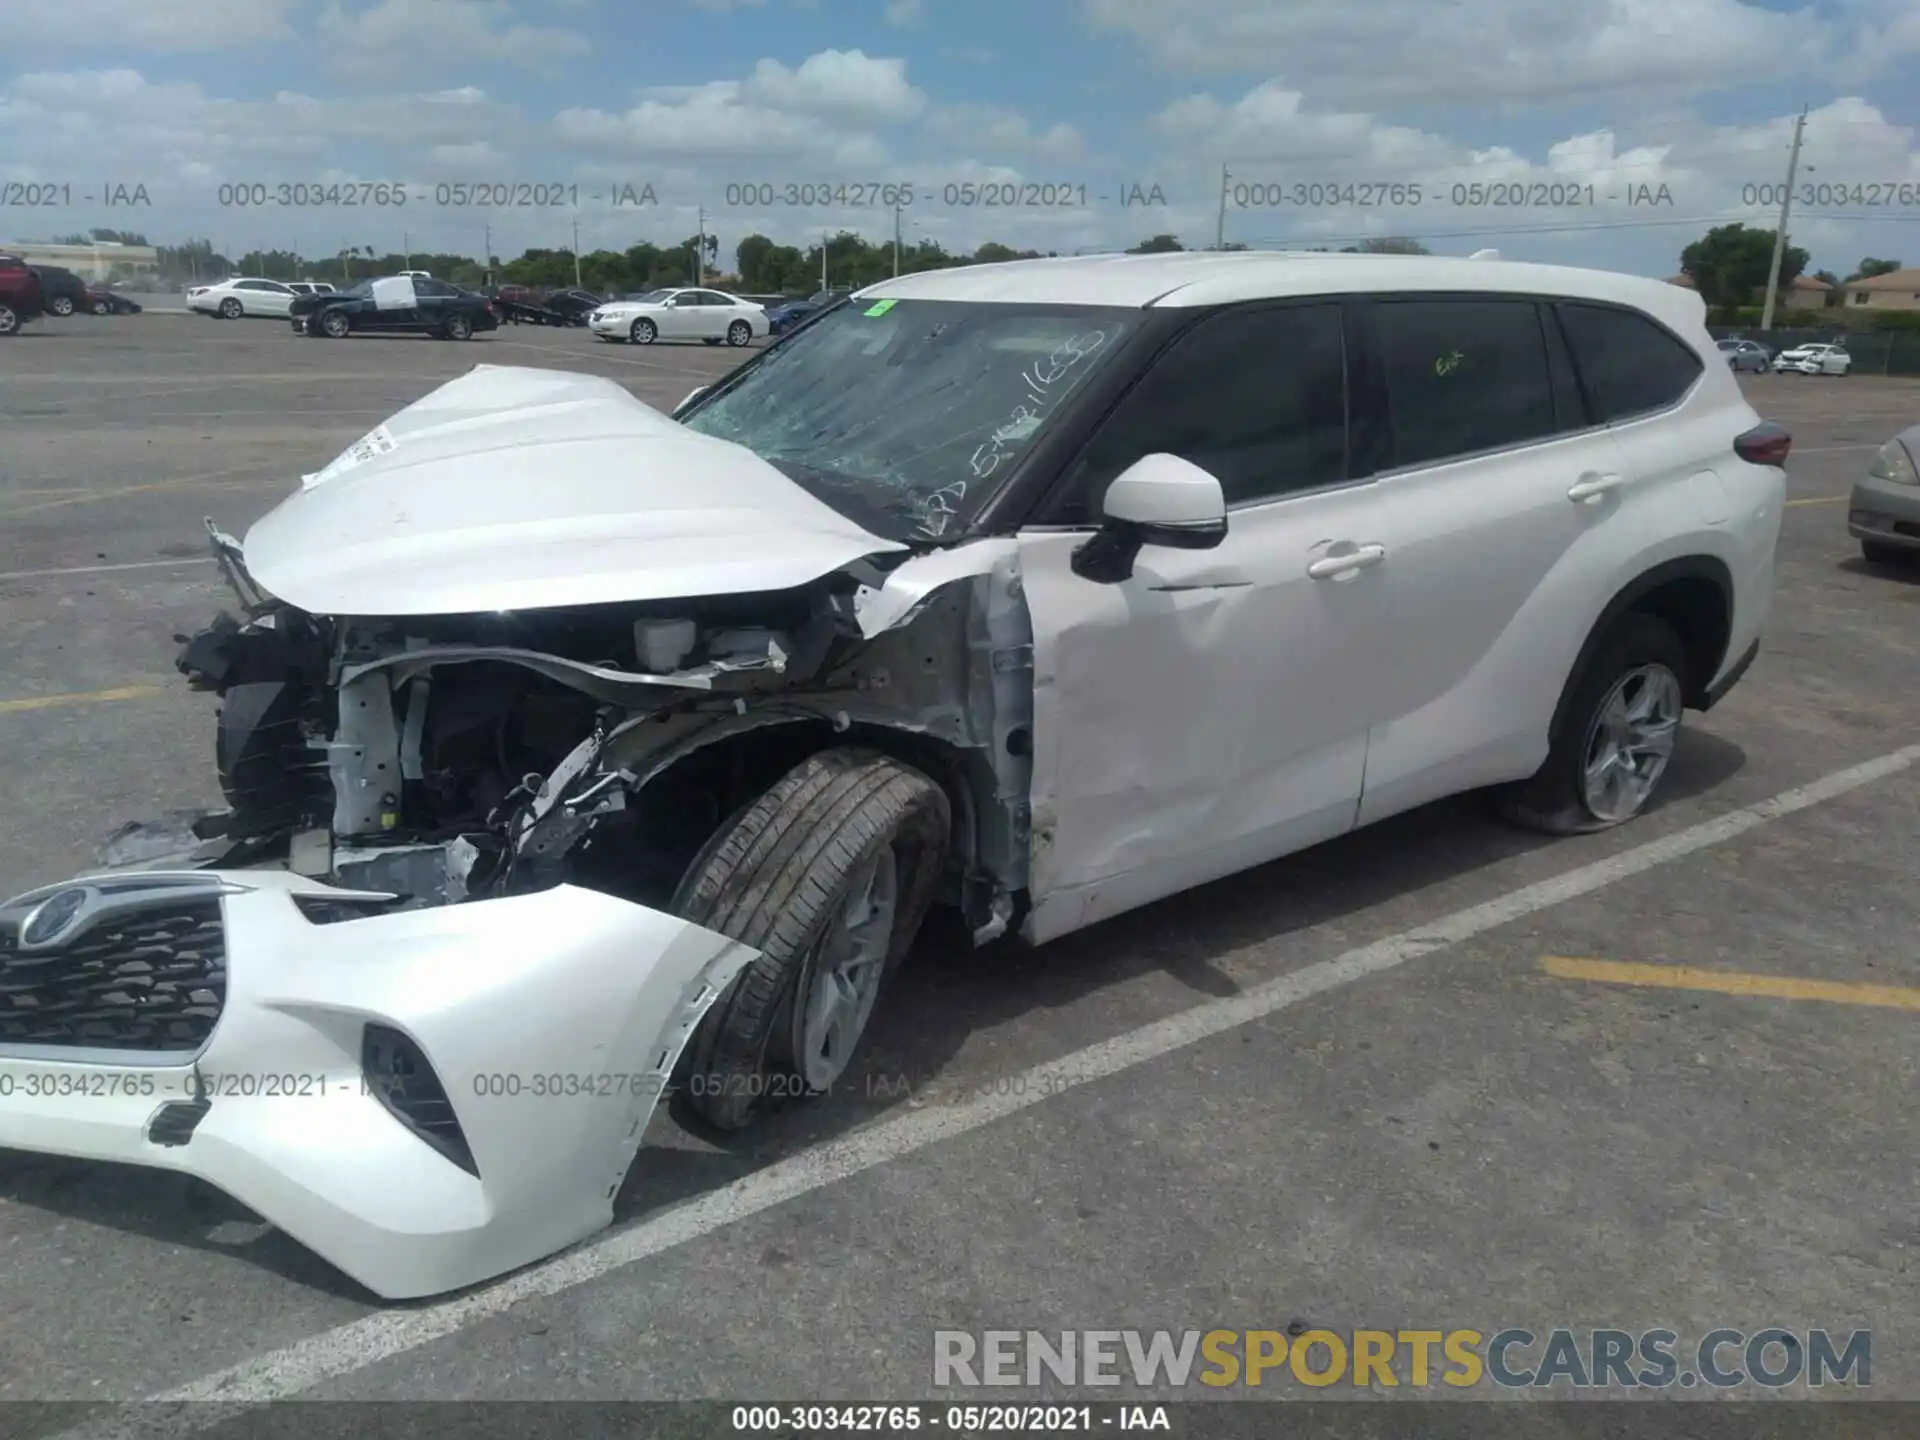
(513, 488)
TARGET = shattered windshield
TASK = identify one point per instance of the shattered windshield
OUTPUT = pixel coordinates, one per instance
(907, 415)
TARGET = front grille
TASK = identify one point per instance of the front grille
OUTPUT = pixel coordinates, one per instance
(152, 979)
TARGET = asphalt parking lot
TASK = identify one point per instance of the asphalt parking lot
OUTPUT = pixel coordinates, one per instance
(1387, 1083)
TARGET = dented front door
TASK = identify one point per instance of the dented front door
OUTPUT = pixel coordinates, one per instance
(1203, 716)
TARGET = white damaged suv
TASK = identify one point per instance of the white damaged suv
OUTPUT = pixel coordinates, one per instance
(574, 752)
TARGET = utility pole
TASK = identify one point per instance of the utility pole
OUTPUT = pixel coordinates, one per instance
(1780, 235)
(576, 254)
(1220, 229)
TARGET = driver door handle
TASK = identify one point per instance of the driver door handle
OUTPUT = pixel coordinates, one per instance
(1351, 562)
(1591, 487)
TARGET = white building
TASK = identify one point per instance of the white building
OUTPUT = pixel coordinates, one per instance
(100, 260)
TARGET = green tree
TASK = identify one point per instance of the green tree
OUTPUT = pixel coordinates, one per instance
(1867, 269)
(1157, 245)
(1729, 264)
(1387, 245)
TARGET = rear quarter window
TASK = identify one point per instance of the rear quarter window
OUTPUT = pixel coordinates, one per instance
(1628, 364)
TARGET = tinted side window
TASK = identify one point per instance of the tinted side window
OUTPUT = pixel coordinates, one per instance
(1257, 398)
(1463, 376)
(1628, 364)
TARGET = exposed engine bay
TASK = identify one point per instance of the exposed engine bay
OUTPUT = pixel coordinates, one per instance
(441, 759)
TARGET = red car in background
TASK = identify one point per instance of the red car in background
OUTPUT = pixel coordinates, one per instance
(20, 296)
(105, 300)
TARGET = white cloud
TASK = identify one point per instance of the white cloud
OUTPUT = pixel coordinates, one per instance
(846, 83)
(1536, 52)
(996, 129)
(391, 37)
(63, 27)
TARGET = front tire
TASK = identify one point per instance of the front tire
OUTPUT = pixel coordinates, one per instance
(644, 332)
(828, 875)
(1615, 738)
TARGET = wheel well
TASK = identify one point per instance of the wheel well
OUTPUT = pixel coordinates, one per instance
(1695, 596)
(1697, 607)
(678, 810)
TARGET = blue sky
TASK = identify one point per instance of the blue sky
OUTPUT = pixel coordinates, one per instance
(1347, 105)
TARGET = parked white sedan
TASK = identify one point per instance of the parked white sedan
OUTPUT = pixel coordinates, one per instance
(239, 298)
(1813, 360)
(709, 315)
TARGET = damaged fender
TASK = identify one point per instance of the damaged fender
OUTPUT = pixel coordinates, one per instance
(552, 1022)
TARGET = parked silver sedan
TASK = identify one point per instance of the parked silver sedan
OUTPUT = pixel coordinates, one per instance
(1883, 513)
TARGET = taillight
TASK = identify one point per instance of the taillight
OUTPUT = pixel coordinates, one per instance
(1764, 444)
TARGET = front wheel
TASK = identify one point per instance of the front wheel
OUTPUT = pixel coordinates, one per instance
(739, 333)
(1615, 737)
(828, 876)
(644, 332)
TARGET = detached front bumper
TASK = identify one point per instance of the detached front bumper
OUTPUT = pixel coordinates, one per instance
(547, 1025)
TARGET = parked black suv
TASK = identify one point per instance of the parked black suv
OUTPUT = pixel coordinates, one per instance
(63, 291)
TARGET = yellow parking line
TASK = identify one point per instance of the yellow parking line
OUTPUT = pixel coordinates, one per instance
(1731, 982)
(84, 697)
(1819, 500)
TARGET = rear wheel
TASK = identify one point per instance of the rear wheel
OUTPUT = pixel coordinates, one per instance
(828, 876)
(1615, 738)
(644, 332)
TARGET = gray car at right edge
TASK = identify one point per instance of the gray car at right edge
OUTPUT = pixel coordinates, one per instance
(1883, 513)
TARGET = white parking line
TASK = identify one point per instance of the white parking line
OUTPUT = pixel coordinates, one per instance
(304, 1364)
(105, 569)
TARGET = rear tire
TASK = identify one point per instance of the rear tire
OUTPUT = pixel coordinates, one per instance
(1626, 705)
(828, 875)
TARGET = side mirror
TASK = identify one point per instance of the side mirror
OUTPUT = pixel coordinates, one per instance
(1157, 500)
